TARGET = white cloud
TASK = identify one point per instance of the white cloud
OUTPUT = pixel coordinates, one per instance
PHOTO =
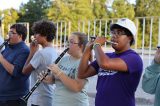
(5, 4)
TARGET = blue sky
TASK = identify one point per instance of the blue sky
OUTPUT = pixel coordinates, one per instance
(4, 4)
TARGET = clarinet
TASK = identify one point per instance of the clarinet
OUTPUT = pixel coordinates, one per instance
(26, 97)
(4, 43)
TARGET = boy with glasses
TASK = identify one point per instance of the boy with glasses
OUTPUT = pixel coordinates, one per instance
(118, 72)
(69, 90)
(14, 84)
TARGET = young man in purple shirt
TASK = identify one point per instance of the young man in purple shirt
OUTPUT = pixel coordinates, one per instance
(118, 72)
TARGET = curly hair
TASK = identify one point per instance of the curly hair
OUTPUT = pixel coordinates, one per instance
(20, 29)
(45, 28)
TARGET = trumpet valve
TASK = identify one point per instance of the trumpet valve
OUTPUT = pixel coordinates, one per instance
(33, 40)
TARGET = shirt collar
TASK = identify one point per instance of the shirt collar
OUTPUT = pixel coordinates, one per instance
(15, 45)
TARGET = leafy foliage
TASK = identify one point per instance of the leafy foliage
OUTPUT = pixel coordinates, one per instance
(121, 9)
(148, 8)
(9, 17)
(33, 11)
(82, 14)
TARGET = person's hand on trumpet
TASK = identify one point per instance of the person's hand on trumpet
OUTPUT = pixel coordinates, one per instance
(33, 45)
(100, 40)
(104, 38)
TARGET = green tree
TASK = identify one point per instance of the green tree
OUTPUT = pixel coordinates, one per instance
(78, 11)
(99, 9)
(147, 8)
(71, 10)
(9, 17)
(121, 9)
(0, 18)
(33, 11)
(150, 9)
(59, 11)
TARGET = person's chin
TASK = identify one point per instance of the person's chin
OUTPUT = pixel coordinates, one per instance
(10, 42)
(114, 46)
(69, 52)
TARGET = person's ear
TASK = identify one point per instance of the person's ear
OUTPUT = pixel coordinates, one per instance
(130, 38)
(20, 36)
(81, 46)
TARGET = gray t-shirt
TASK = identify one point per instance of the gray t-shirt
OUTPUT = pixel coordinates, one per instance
(64, 96)
(43, 94)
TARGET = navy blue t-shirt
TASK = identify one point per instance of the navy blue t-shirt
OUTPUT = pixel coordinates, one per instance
(12, 87)
(118, 88)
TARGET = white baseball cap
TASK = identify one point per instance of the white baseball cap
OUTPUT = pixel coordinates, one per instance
(126, 23)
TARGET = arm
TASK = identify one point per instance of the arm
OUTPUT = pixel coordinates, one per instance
(49, 79)
(150, 78)
(27, 69)
(75, 85)
(85, 70)
(152, 75)
(106, 62)
(8, 66)
(16, 68)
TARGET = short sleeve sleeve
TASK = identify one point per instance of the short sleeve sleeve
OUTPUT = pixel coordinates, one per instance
(95, 65)
(133, 62)
(36, 60)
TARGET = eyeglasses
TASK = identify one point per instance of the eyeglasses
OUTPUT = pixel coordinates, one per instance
(12, 33)
(72, 42)
(117, 33)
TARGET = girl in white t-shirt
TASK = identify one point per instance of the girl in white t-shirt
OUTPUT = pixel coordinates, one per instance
(69, 90)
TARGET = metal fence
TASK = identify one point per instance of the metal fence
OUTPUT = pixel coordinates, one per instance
(148, 35)
(2, 32)
(146, 41)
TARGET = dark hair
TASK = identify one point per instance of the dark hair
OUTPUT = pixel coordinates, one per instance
(21, 30)
(45, 28)
(82, 37)
(127, 32)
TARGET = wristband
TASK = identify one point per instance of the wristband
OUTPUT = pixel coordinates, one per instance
(95, 44)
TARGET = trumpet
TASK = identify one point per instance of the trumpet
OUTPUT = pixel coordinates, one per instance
(110, 42)
(33, 40)
(4, 43)
(26, 97)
